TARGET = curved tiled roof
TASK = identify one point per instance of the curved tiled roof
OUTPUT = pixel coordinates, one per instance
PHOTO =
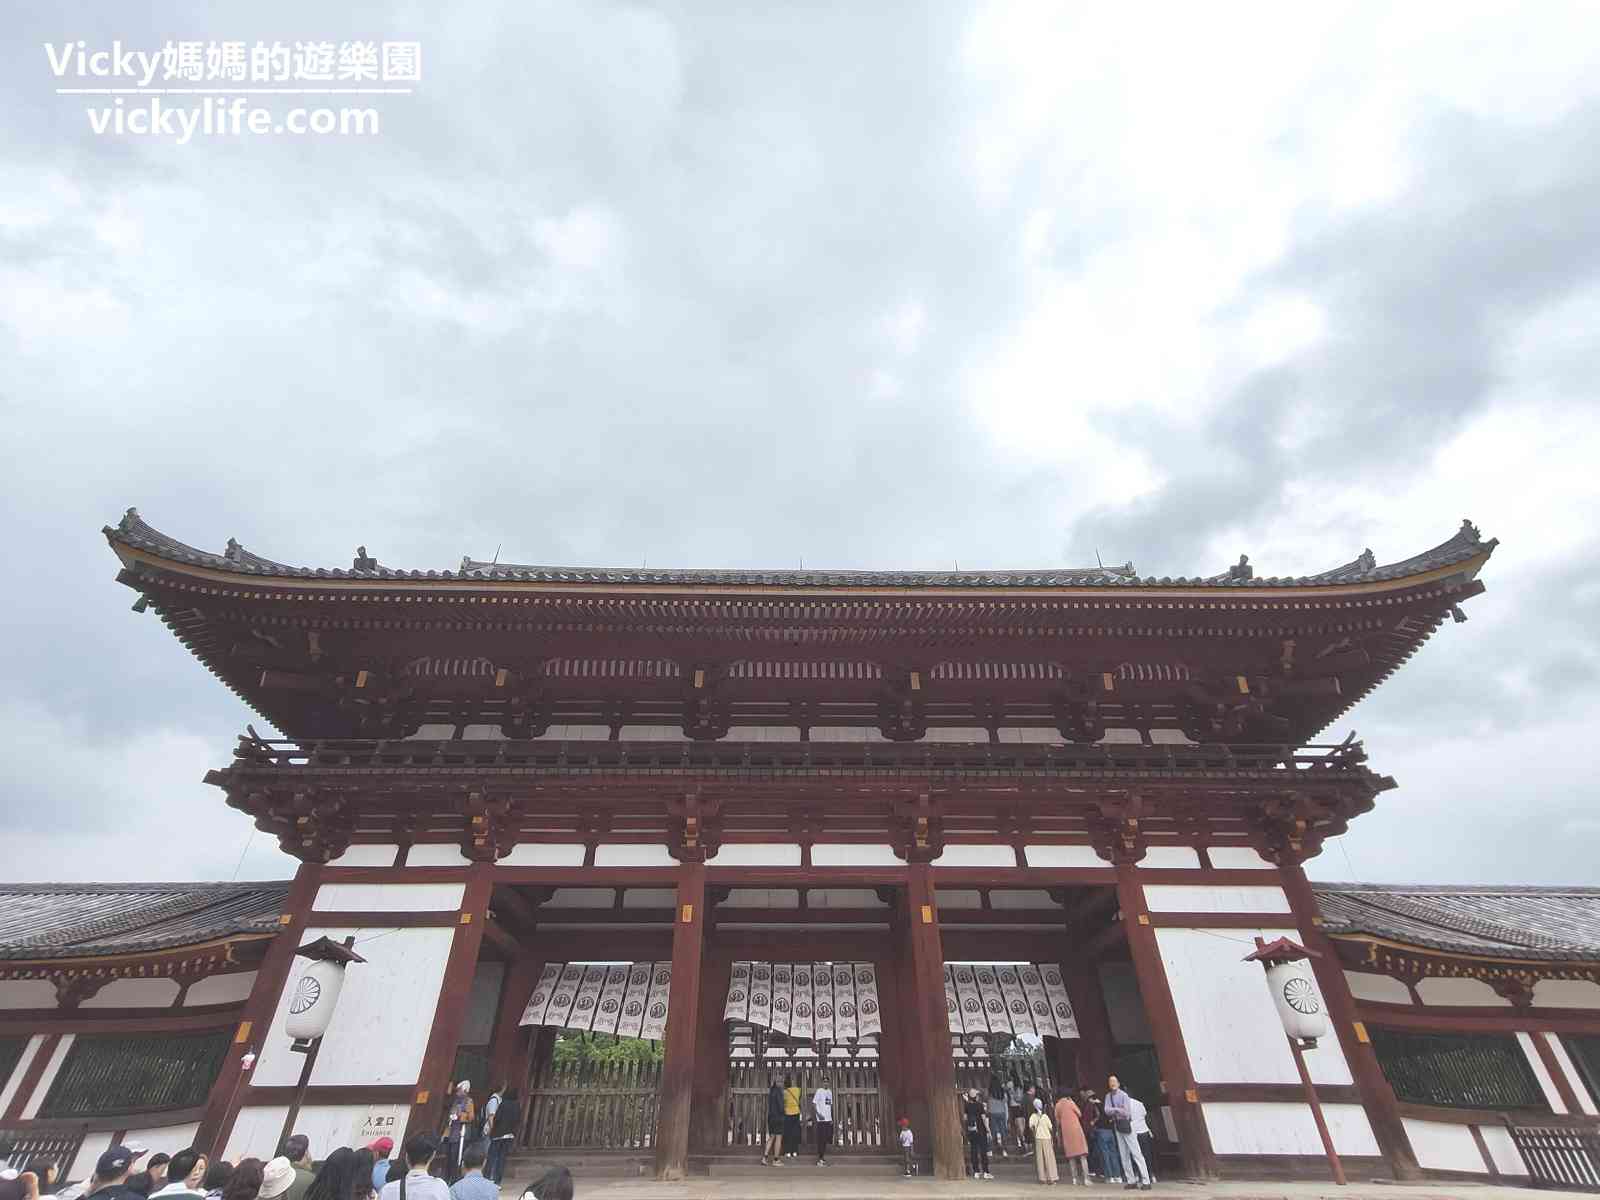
(78, 920)
(1555, 923)
(132, 531)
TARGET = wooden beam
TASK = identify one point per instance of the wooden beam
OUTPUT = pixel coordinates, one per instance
(683, 1026)
(502, 940)
(927, 1009)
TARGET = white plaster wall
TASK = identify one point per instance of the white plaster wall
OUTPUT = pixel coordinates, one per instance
(328, 1126)
(221, 989)
(957, 733)
(1503, 1150)
(1183, 897)
(1012, 735)
(649, 897)
(94, 1145)
(52, 1068)
(1015, 898)
(959, 898)
(1229, 1023)
(849, 898)
(851, 854)
(1566, 993)
(1437, 992)
(379, 855)
(1441, 1146)
(1266, 1128)
(437, 854)
(482, 733)
(1383, 989)
(1063, 856)
(27, 993)
(8, 1087)
(545, 854)
(762, 898)
(665, 733)
(762, 733)
(756, 854)
(1237, 858)
(633, 854)
(134, 993)
(1169, 857)
(163, 1139)
(1570, 1070)
(977, 856)
(584, 898)
(380, 1028)
(1546, 1084)
(389, 897)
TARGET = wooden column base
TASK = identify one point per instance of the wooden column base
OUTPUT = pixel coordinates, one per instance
(683, 1024)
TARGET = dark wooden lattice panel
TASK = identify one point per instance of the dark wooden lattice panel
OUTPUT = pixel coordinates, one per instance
(1458, 1071)
(105, 1074)
(858, 1116)
(1584, 1050)
(11, 1049)
(594, 1105)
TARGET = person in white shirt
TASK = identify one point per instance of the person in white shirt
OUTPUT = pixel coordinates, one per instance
(185, 1170)
(908, 1157)
(822, 1105)
(416, 1184)
(1142, 1134)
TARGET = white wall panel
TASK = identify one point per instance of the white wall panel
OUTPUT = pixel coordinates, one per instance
(1383, 989)
(851, 854)
(1226, 1014)
(1015, 898)
(584, 898)
(1503, 1150)
(221, 989)
(544, 854)
(1444, 1147)
(52, 1068)
(1170, 858)
(135, 993)
(1566, 993)
(82, 1166)
(633, 854)
(1063, 856)
(27, 993)
(380, 1028)
(649, 897)
(328, 1126)
(437, 854)
(163, 1139)
(955, 898)
(1437, 992)
(977, 856)
(756, 854)
(381, 855)
(482, 733)
(1184, 897)
(389, 897)
(1237, 858)
(8, 1087)
(1548, 1085)
(1570, 1070)
(762, 733)
(762, 898)
(1265, 1128)
(848, 898)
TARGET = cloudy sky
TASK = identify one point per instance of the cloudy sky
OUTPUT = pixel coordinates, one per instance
(872, 285)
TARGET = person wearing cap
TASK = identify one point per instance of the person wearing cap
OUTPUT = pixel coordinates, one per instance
(110, 1180)
(461, 1116)
(277, 1178)
(417, 1183)
(381, 1149)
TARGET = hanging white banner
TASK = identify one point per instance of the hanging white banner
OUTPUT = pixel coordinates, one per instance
(994, 1005)
(844, 1002)
(972, 1018)
(609, 1012)
(655, 1010)
(803, 1023)
(1033, 992)
(761, 995)
(583, 1008)
(824, 1021)
(952, 1004)
(633, 1001)
(539, 1002)
(782, 997)
(1016, 1002)
(869, 1019)
(738, 1006)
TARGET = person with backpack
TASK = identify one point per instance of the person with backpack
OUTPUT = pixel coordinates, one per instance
(975, 1119)
(500, 1127)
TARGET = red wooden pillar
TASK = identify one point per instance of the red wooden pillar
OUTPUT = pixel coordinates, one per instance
(900, 1052)
(683, 1025)
(510, 1042)
(222, 1103)
(1194, 1139)
(927, 1009)
(709, 1114)
(1092, 1051)
(433, 1084)
(1377, 1096)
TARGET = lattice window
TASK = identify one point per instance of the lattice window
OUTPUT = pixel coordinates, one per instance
(1458, 1070)
(109, 1073)
(11, 1049)
(1584, 1050)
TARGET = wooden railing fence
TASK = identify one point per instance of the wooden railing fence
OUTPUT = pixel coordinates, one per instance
(1560, 1156)
(19, 1147)
(858, 1115)
(594, 1106)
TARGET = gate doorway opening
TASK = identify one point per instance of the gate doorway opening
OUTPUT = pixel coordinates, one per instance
(757, 1059)
(594, 1091)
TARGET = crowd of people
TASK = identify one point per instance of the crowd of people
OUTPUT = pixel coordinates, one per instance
(1099, 1138)
(466, 1161)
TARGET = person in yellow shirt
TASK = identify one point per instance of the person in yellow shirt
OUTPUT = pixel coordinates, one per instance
(791, 1117)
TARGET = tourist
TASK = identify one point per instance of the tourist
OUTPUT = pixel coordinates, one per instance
(381, 1149)
(1019, 1117)
(46, 1175)
(1141, 1132)
(772, 1155)
(151, 1177)
(501, 1130)
(297, 1149)
(217, 1177)
(420, 1151)
(1042, 1131)
(908, 1143)
(185, 1170)
(975, 1119)
(338, 1177)
(250, 1177)
(791, 1117)
(361, 1182)
(1120, 1112)
(472, 1185)
(1103, 1142)
(277, 1179)
(1029, 1095)
(554, 1184)
(1074, 1146)
(999, 1109)
(822, 1105)
(457, 1127)
(15, 1184)
(110, 1179)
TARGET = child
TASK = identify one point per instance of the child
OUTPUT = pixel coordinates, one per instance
(908, 1159)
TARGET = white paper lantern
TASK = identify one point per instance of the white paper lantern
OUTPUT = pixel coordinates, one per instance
(313, 999)
(1298, 1000)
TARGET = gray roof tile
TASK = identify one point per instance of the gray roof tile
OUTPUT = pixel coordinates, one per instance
(1555, 923)
(64, 920)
